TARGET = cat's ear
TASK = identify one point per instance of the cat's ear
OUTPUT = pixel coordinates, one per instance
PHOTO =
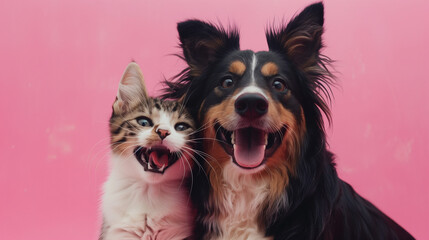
(132, 89)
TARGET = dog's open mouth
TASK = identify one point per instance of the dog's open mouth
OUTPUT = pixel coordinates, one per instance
(249, 147)
(155, 159)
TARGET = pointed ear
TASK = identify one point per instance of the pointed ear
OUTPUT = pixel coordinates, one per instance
(203, 43)
(301, 39)
(132, 89)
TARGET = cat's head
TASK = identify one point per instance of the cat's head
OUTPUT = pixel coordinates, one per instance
(150, 138)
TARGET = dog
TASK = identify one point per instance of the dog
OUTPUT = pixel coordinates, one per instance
(267, 173)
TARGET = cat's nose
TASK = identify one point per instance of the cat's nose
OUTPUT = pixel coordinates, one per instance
(162, 133)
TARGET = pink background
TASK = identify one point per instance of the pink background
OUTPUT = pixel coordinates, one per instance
(61, 62)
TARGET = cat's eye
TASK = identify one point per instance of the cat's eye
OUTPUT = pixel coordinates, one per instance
(227, 82)
(181, 126)
(144, 121)
(279, 85)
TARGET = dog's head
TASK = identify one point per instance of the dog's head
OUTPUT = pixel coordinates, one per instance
(255, 105)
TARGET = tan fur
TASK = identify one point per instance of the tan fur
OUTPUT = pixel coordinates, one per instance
(269, 69)
(212, 147)
(277, 168)
(237, 67)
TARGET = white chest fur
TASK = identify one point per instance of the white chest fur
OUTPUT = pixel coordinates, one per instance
(243, 199)
(134, 209)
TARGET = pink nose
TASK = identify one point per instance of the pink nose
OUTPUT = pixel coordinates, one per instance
(162, 133)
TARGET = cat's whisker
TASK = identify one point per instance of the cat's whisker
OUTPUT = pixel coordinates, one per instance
(192, 176)
(201, 154)
(217, 121)
(202, 138)
(201, 128)
(98, 155)
(127, 148)
(195, 140)
(184, 158)
(179, 156)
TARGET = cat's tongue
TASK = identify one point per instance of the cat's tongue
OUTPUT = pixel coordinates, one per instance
(159, 158)
(249, 147)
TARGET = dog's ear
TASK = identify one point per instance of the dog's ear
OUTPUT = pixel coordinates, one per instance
(301, 39)
(203, 43)
(300, 42)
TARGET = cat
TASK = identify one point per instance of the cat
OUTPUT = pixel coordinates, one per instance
(146, 195)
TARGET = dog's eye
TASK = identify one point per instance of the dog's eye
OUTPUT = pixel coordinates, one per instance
(181, 126)
(279, 85)
(144, 121)
(227, 83)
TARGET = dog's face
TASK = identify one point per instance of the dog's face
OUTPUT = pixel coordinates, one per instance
(254, 104)
(251, 109)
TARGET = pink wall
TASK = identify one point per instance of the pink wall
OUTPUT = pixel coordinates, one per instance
(61, 62)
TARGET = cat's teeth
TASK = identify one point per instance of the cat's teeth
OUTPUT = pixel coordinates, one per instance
(162, 168)
(232, 138)
(149, 166)
(266, 139)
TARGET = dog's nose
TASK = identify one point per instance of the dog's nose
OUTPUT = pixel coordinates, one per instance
(162, 133)
(251, 105)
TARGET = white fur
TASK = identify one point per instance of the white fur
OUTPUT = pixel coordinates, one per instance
(146, 205)
(175, 140)
(135, 209)
(251, 89)
(243, 197)
(252, 70)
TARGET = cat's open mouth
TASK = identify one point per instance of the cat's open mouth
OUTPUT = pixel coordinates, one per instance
(249, 147)
(156, 158)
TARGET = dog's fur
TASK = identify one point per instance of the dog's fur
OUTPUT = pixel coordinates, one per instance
(294, 192)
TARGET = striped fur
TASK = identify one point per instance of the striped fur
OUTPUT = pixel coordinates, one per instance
(141, 199)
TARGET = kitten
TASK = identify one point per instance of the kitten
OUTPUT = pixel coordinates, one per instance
(145, 195)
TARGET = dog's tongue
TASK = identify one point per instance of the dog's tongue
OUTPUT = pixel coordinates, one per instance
(159, 158)
(249, 147)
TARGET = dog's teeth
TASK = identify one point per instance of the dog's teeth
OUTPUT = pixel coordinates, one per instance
(149, 166)
(162, 168)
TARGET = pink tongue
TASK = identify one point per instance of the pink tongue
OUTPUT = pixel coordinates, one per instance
(159, 159)
(249, 148)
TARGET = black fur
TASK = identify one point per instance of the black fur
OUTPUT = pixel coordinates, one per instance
(320, 205)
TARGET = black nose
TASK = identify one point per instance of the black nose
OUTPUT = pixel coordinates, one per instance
(251, 105)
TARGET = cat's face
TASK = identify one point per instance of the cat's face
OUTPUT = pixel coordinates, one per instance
(150, 138)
